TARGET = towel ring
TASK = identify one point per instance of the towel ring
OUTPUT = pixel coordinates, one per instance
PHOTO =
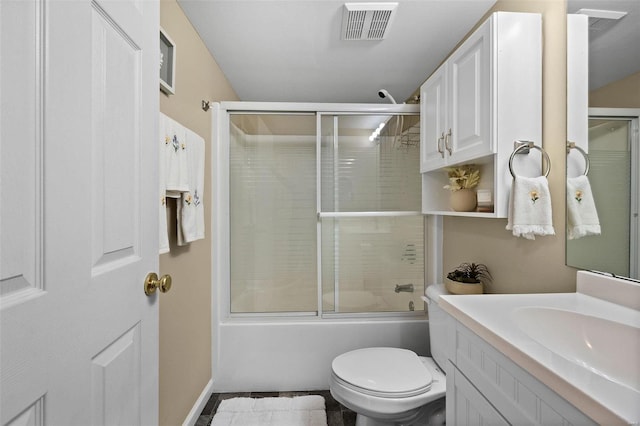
(587, 163)
(528, 145)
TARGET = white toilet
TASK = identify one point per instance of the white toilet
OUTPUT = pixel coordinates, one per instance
(391, 386)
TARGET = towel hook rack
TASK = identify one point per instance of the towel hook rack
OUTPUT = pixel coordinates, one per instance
(587, 163)
(206, 105)
(525, 146)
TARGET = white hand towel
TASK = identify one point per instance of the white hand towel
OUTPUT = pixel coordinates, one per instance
(191, 211)
(530, 208)
(176, 158)
(163, 240)
(582, 216)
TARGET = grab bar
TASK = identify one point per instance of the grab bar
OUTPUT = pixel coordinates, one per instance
(525, 146)
(587, 163)
(404, 287)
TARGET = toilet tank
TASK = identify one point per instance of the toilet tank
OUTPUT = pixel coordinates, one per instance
(437, 325)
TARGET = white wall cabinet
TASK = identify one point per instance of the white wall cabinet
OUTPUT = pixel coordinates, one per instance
(486, 95)
(456, 101)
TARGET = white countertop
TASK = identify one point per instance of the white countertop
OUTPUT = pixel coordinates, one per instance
(490, 317)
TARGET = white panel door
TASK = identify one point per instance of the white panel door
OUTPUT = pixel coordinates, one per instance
(469, 100)
(78, 125)
(433, 110)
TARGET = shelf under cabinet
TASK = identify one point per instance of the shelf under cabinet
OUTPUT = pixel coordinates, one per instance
(461, 214)
(435, 199)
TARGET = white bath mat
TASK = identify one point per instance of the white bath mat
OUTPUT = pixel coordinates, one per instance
(305, 410)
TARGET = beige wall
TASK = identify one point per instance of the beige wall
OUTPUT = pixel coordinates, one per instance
(185, 312)
(518, 265)
(624, 93)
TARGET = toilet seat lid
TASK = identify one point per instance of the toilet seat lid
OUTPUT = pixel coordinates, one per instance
(390, 372)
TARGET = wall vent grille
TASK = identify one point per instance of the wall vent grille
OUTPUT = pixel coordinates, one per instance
(601, 21)
(367, 21)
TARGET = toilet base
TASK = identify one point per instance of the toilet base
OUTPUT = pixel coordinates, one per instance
(433, 414)
(368, 421)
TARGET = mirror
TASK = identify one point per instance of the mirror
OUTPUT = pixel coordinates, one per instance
(607, 131)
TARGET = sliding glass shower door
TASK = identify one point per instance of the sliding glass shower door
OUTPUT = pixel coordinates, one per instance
(272, 202)
(325, 214)
(371, 226)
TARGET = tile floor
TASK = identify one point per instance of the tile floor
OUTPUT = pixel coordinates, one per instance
(337, 415)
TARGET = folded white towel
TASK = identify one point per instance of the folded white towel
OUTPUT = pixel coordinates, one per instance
(175, 158)
(163, 240)
(582, 216)
(191, 211)
(530, 208)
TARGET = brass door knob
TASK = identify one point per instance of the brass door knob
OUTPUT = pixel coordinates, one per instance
(152, 283)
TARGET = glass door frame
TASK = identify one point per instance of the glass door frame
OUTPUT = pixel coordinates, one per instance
(337, 214)
(220, 202)
(633, 116)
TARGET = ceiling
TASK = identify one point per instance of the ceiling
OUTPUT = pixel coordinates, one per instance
(292, 51)
(614, 53)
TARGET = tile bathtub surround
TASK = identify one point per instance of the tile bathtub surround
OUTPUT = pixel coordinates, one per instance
(337, 414)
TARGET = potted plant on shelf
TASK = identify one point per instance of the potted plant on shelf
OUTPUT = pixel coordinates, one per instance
(462, 180)
(468, 278)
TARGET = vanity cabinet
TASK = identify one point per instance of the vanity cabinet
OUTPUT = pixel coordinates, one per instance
(485, 96)
(486, 387)
(471, 408)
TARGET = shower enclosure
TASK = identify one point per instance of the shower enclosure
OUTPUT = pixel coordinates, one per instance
(320, 242)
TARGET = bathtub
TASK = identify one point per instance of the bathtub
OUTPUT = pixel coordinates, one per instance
(295, 354)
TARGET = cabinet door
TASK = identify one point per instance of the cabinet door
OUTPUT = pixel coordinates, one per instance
(433, 95)
(468, 135)
(467, 406)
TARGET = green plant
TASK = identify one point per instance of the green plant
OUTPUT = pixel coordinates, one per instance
(462, 177)
(470, 273)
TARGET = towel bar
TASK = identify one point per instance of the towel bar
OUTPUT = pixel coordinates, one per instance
(526, 145)
(572, 145)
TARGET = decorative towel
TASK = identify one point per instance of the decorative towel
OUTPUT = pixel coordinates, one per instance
(305, 410)
(191, 204)
(530, 207)
(175, 158)
(582, 216)
(163, 240)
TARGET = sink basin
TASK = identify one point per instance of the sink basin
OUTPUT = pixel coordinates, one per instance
(607, 348)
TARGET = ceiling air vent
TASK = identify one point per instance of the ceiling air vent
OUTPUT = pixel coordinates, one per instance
(367, 21)
(601, 20)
